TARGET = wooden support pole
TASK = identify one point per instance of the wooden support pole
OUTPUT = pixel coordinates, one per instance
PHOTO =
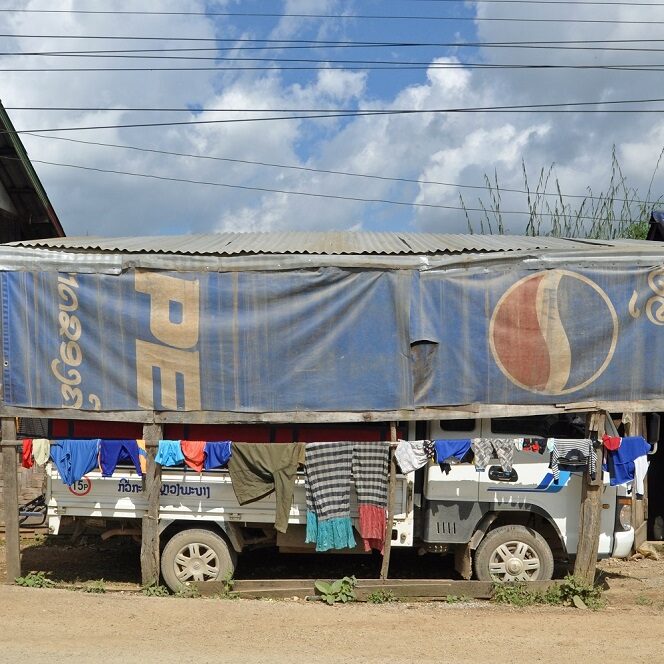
(10, 498)
(152, 433)
(391, 487)
(591, 512)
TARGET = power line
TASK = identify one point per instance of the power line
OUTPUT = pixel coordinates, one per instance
(372, 17)
(548, 108)
(288, 192)
(389, 111)
(323, 171)
(392, 67)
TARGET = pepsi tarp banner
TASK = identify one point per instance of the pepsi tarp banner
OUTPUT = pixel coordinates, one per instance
(331, 339)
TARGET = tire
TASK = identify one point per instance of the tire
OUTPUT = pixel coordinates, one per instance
(196, 554)
(513, 553)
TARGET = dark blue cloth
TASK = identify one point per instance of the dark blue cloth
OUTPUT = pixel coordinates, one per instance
(217, 454)
(620, 462)
(451, 448)
(74, 458)
(113, 452)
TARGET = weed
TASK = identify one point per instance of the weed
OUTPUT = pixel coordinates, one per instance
(188, 592)
(456, 599)
(34, 580)
(561, 594)
(381, 597)
(155, 590)
(342, 590)
(642, 600)
(227, 588)
(96, 587)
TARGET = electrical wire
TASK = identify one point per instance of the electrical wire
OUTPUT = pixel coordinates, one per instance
(289, 192)
(372, 17)
(309, 169)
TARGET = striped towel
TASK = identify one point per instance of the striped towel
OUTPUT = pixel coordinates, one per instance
(370, 467)
(327, 474)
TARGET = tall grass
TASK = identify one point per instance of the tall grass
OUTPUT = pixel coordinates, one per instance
(619, 211)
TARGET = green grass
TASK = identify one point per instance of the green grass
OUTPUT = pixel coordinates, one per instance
(617, 211)
(561, 594)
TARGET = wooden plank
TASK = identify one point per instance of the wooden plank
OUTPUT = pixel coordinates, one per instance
(10, 499)
(152, 433)
(391, 489)
(590, 513)
(311, 417)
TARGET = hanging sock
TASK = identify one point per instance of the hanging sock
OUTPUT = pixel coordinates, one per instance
(217, 454)
(169, 453)
(327, 474)
(194, 453)
(258, 469)
(26, 454)
(113, 452)
(75, 458)
(370, 469)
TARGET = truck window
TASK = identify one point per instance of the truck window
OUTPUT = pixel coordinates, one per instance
(568, 425)
(458, 425)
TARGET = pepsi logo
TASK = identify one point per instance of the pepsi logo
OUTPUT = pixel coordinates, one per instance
(554, 332)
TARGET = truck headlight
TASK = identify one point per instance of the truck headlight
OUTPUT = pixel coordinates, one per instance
(625, 513)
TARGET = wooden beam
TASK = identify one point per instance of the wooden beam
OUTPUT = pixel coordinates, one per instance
(590, 514)
(391, 486)
(152, 433)
(10, 498)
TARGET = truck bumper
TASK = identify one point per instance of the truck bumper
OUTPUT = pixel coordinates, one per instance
(622, 543)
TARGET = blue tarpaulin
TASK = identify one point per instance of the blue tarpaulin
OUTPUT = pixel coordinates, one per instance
(331, 339)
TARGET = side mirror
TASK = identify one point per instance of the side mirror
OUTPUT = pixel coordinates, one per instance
(652, 426)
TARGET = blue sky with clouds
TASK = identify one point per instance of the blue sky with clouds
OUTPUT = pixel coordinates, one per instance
(440, 148)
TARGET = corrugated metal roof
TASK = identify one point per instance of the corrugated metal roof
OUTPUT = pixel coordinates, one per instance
(317, 243)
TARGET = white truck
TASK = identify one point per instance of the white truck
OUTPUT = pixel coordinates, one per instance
(511, 528)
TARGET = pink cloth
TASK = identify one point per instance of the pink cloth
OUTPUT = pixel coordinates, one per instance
(373, 526)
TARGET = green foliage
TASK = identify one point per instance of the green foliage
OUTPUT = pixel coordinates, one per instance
(381, 597)
(569, 592)
(642, 600)
(227, 588)
(96, 587)
(617, 211)
(341, 590)
(188, 592)
(34, 580)
(456, 599)
(155, 590)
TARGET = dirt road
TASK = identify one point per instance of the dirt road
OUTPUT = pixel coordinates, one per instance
(62, 626)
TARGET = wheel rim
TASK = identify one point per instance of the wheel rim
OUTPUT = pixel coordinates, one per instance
(196, 562)
(514, 561)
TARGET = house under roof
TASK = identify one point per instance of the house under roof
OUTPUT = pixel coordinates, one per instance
(25, 210)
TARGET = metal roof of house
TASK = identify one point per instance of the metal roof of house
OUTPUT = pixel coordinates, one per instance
(319, 243)
(18, 177)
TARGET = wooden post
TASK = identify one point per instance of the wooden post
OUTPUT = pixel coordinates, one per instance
(152, 433)
(391, 487)
(10, 498)
(591, 512)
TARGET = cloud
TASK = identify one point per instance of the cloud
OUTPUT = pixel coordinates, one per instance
(452, 148)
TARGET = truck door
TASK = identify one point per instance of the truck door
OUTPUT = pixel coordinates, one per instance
(451, 499)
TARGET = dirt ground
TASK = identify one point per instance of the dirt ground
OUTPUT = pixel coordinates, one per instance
(41, 625)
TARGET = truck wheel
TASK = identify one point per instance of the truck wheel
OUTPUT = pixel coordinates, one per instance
(513, 553)
(196, 555)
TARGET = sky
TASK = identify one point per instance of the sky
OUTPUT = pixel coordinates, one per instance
(408, 155)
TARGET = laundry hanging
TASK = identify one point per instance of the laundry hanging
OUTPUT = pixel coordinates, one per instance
(575, 452)
(629, 463)
(217, 454)
(194, 454)
(453, 449)
(370, 467)
(75, 458)
(327, 473)
(412, 454)
(169, 453)
(26, 453)
(486, 449)
(112, 452)
(41, 450)
(258, 469)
